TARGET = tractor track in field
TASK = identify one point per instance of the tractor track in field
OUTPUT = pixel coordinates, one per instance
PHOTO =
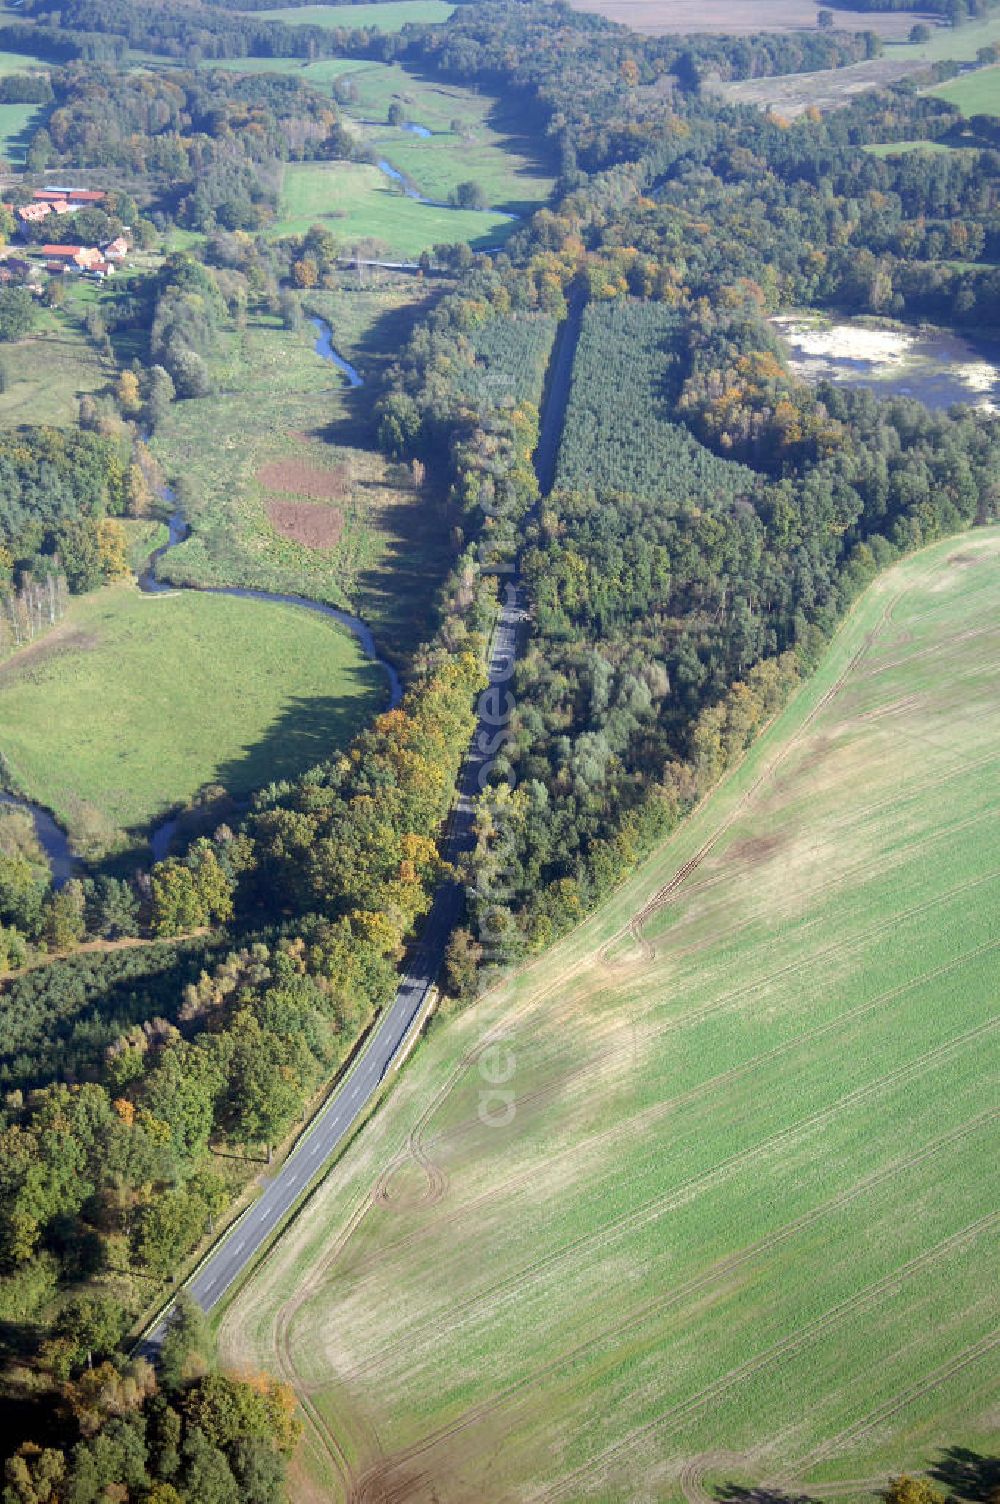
(658, 1205)
(325, 1433)
(902, 1399)
(611, 1052)
(692, 1485)
(469, 1060)
(513, 1285)
(377, 1480)
(787, 1347)
(931, 650)
(594, 1067)
(648, 1119)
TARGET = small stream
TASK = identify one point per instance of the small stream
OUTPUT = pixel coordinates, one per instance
(52, 838)
(412, 192)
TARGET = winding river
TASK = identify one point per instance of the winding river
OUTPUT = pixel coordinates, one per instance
(52, 838)
(410, 191)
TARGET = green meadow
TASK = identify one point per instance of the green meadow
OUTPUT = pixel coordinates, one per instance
(392, 16)
(957, 43)
(45, 375)
(900, 148)
(356, 202)
(975, 93)
(18, 123)
(135, 702)
(703, 1199)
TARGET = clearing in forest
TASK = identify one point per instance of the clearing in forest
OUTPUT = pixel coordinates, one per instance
(721, 1207)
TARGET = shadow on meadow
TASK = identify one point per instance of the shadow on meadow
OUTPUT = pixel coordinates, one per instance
(308, 731)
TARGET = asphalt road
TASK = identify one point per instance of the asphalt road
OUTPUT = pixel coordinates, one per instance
(330, 1127)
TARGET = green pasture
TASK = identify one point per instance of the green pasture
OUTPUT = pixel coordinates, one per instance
(392, 16)
(704, 1197)
(975, 93)
(18, 123)
(900, 148)
(949, 43)
(135, 702)
(356, 202)
(45, 375)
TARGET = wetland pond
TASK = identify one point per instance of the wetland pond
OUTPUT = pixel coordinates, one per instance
(936, 367)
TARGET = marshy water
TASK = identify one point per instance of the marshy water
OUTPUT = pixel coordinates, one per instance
(934, 366)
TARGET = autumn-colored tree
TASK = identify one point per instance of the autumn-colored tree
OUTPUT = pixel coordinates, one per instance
(128, 394)
(104, 1391)
(305, 272)
(34, 1475)
(140, 495)
(112, 549)
(906, 1489)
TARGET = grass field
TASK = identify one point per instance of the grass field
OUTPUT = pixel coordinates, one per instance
(278, 403)
(474, 137)
(719, 1211)
(392, 16)
(901, 148)
(957, 43)
(20, 62)
(134, 702)
(827, 89)
(356, 202)
(18, 123)
(45, 376)
(975, 93)
(326, 70)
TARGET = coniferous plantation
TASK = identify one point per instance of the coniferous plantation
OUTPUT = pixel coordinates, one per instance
(597, 420)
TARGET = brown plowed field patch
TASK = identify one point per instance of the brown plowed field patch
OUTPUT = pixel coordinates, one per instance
(304, 522)
(306, 480)
(743, 17)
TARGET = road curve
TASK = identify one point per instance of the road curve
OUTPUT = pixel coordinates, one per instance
(331, 1125)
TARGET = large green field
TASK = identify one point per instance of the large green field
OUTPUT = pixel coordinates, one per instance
(282, 428)
(474, 137)
(18, 123)
(957, 43)
(392, 16)
(356, 202)
(45, 375)
(703, 1200)
(135, 702)
(975, 93)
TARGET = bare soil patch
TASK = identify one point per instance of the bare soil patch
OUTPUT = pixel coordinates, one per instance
(827, 89)
(305, 522)
(303, 479)
(62, 638)
(743, 17)
(757, 849)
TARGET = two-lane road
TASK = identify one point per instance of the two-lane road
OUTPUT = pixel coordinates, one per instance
(331, 1125)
